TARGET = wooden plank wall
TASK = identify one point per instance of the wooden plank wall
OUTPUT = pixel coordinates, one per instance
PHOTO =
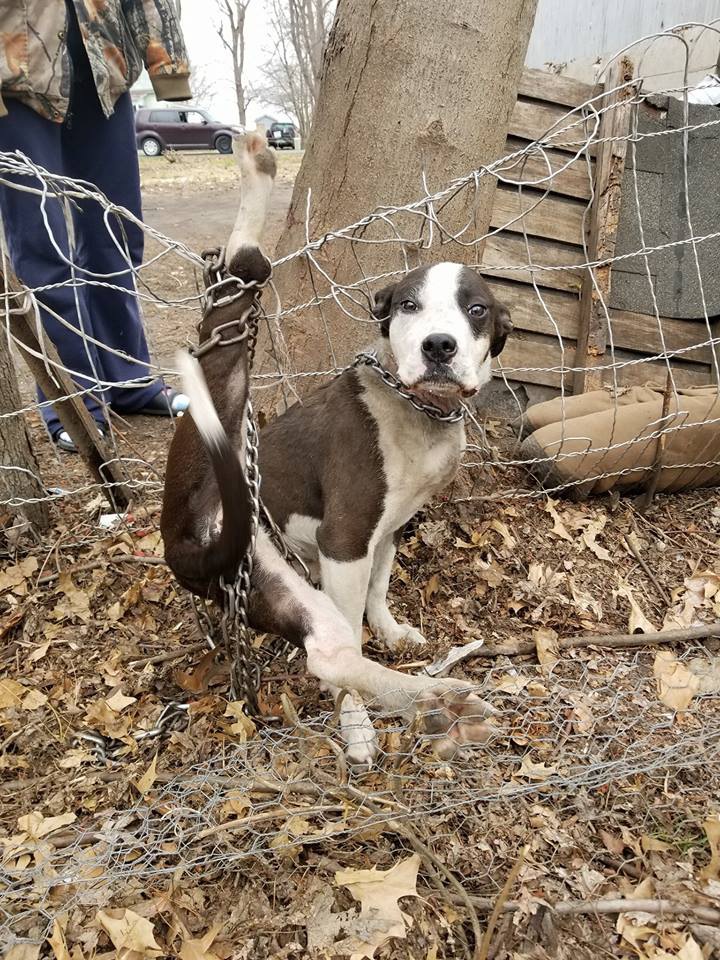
(544, 225)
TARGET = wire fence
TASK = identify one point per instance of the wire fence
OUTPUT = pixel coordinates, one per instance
(588, 739)
(581, 741)
(549, 321)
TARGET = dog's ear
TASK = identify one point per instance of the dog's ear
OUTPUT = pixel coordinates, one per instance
(502, 327)
(381, 308)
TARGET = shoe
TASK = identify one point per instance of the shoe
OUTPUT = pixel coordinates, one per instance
(166, 403)
(63, 441)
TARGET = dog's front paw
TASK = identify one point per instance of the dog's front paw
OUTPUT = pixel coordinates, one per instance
(395, 635)
(454, 717)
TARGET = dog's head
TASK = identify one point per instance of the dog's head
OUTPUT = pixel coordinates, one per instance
(443, 326)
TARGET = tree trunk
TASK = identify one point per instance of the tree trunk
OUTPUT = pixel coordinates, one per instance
(409, 89)
(15, 450)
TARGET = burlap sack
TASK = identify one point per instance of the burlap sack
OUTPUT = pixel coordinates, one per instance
(597, 442)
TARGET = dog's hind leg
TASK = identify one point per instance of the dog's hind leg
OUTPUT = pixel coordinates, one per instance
(283, 603)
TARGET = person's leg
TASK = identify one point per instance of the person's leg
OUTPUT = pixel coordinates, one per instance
(35, 259)
(102, 151)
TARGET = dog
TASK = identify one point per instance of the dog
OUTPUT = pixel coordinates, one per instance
(342, 474)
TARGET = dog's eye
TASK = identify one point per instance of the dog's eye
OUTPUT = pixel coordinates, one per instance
(477, 310)
(409, 306)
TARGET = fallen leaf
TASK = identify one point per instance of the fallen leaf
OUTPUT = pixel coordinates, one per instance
(151, 543)
(344, 934)
(510, 684)
(36, 825)
(199, 680)
(559, 528)
(711, 827)
(378, 892)
(129, 932)
(118, 701)
(146, 781)
(12, 578)
(244, 727)
(236, 802)
(58, 943)
(199, 949)
(581, 716)
(490, 573)
(584, 601)
(23, 951)
(634, 933)
(612, 843)
(297, 826)
(676, 685)
(637, 622)
(39, 652)
(546, 645)
(690, 950)
(11, 693)
(648, 844)
(534, 771)
(589, 537)
(114, 612)
(101, 717)
(75, 603)
(431, 587)
(33, 700)
(508, 539)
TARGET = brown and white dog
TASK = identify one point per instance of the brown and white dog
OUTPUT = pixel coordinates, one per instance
(342, 474)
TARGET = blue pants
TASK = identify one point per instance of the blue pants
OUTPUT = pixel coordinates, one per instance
(88, 146)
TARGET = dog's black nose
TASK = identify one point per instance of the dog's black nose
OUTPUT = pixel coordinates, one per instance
(439, 347)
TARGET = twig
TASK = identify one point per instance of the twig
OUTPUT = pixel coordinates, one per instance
(94, 564)
(284, 812)
(640, 559)
(170, 655)
(501, 900)
(292, 717)
(610, 641)
(574, 908)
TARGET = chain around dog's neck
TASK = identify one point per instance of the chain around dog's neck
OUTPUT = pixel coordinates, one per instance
(429, 409)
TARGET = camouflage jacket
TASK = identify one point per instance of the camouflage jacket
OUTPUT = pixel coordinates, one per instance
(119, 35)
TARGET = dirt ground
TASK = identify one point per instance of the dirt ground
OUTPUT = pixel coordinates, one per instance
(227, 839)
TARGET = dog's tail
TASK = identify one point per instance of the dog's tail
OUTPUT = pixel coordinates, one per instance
(223, 557)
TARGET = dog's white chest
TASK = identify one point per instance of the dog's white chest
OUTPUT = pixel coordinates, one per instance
(420, 457)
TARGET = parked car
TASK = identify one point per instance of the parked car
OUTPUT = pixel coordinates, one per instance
(182, 128)
(281, 135)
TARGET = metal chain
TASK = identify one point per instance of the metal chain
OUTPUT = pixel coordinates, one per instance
(173, 717)
(429, 409)
(247, 663)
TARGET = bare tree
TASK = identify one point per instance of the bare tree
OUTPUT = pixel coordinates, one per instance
(203, 86)
(231, 30)
(413, 94)
(292, 75)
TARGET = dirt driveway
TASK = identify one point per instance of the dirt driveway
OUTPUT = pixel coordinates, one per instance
(195, 198)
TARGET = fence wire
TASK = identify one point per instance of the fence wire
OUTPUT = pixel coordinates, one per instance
(581, 739)
(587, 741)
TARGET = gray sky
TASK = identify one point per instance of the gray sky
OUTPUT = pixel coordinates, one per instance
(199, 22)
